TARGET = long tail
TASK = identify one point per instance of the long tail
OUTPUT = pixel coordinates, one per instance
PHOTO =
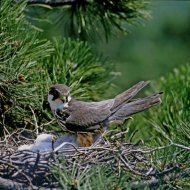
(135, 106)
(127, 95)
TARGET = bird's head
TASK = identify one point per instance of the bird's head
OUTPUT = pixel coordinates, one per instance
(59, 96)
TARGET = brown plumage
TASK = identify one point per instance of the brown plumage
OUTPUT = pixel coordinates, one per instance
(78, 116)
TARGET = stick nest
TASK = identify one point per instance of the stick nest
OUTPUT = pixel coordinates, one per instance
(33, 169)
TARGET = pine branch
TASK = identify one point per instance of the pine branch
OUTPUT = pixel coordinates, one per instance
(53, 3)
(29, 66)
(107, 16)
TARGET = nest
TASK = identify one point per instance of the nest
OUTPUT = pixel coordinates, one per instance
(21, 169)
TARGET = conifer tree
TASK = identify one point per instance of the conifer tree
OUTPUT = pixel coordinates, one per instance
(30, 65)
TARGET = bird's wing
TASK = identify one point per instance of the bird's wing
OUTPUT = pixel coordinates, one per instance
(86, 114)
(127, 95)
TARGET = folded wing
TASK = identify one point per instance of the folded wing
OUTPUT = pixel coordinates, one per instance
(83, 115)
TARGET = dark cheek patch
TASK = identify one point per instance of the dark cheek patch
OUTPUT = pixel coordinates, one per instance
(54, 93)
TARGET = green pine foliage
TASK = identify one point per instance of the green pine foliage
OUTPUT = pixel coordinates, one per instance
(88, 20)
(171, 123)
(20, 57)
(29, 66)
(96, 178)
(167, 124)
(74, 64)
(171, 118)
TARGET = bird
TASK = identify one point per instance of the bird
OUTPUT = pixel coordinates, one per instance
(43, 143)
(88, 120)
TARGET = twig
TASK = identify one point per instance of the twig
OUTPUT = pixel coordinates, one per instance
(48, 123)
(129, 157)
(6, 131)
(177, 145)
(151, 150)
(11, 185)
(35, 121)
(181, 146)
(118, 135)
(20, 171)
(122, 158)
(63, 144)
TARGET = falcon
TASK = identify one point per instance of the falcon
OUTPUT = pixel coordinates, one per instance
(90, 117)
